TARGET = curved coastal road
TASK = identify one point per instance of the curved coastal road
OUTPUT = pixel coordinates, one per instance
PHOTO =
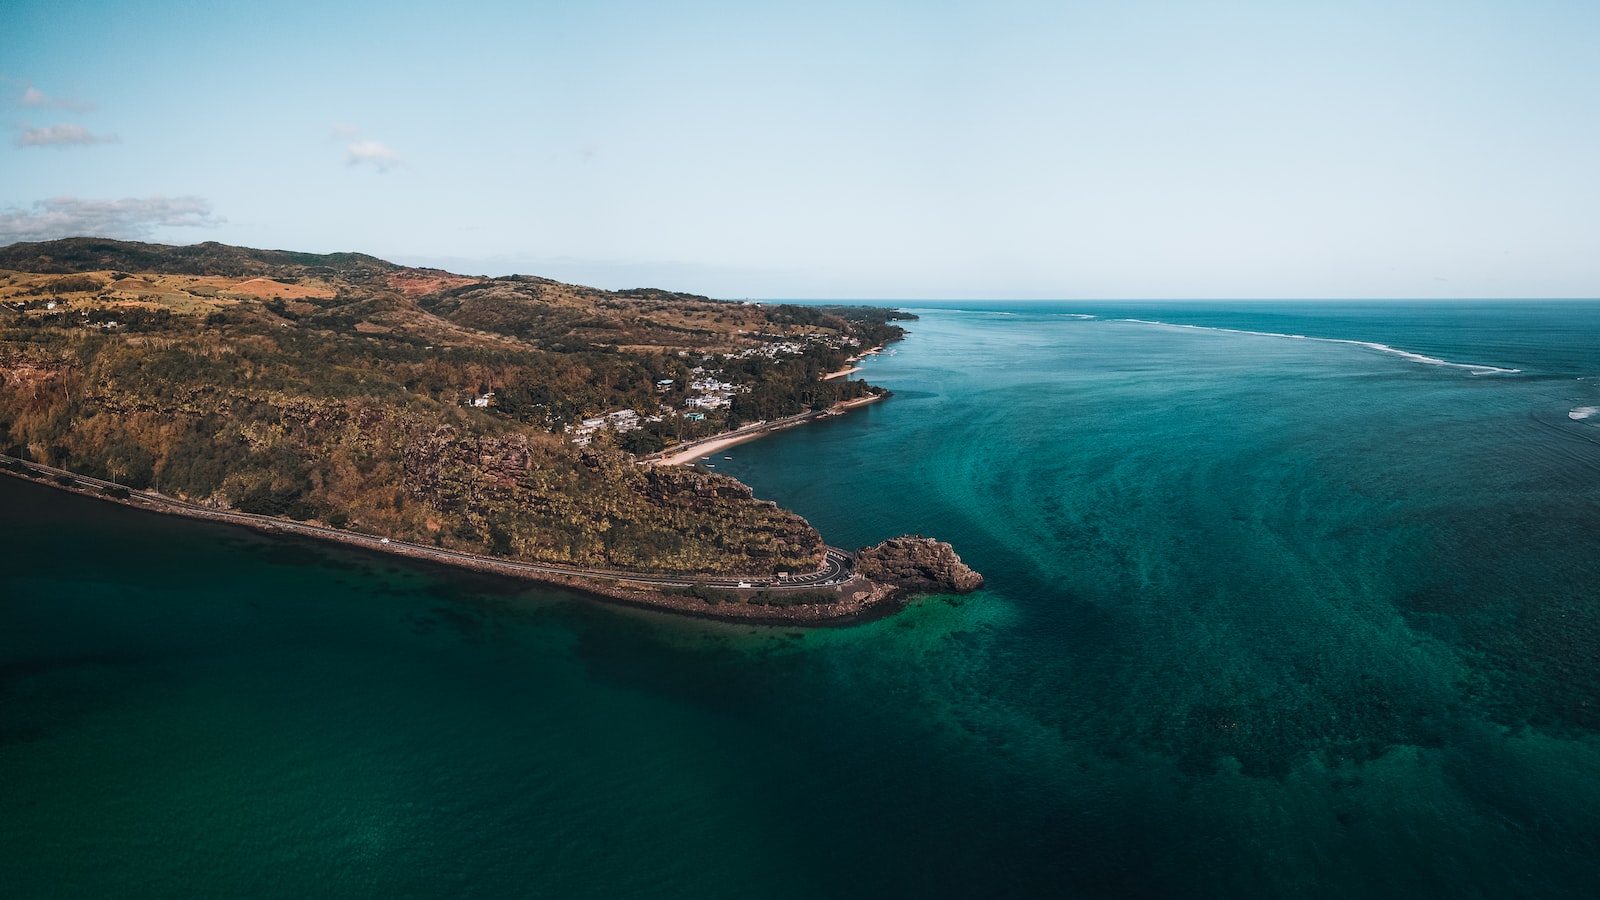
(838, 566)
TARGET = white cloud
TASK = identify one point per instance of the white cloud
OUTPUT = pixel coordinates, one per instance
(61, 136)
(361, 151)
(32, 96)
(375, 154)
(131, 217)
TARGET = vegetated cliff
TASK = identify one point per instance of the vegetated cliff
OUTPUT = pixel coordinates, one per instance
(918, 564)
(410, 403)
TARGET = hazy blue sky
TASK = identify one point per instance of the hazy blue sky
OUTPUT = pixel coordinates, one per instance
(822, 149)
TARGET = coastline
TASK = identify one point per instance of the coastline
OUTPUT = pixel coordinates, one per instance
(688, 453)
(855, 599)
(836, 594)
(692, 451)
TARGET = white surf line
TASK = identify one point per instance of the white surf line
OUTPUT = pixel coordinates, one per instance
(1474, 368)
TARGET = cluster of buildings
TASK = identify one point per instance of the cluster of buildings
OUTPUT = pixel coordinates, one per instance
(622, 421)
(786, 346)
(707, 390)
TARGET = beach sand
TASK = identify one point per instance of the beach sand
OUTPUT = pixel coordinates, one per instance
(691, 452)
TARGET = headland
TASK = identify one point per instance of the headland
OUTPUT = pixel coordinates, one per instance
(515, 425)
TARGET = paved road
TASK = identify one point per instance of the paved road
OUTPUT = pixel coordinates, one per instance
(838, 566)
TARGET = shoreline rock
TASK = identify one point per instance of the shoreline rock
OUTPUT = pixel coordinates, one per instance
(918, 564)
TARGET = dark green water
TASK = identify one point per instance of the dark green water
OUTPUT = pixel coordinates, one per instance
(1265, 617)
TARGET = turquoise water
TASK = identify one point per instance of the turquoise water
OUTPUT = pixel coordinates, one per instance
(1265, 616)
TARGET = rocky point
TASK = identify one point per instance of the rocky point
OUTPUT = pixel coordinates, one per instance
(918, 564)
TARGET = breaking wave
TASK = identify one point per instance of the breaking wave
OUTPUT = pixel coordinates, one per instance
(1474, 368)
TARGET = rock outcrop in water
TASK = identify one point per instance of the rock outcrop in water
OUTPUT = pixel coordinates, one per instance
(919, 564)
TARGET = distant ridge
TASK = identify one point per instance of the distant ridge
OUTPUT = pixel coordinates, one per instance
(88, 254)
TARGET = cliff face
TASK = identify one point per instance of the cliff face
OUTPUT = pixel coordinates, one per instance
(918, 563)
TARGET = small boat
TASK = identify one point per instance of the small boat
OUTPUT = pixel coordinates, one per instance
(727, 457)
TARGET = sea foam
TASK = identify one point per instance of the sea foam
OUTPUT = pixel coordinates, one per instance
(1474, 368)
(1580, 413)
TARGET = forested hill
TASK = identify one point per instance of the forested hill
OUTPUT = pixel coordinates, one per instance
(75, 255)
(488, 414)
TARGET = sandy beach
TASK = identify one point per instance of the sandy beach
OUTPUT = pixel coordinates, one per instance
(691, 452)
(851, 368)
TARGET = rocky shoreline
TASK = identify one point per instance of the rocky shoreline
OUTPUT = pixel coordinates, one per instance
(887, 575)
(918, 564)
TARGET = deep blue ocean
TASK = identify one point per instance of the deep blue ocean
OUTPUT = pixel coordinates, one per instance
(1284, 600)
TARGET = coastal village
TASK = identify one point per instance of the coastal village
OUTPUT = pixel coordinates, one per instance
(708, 391)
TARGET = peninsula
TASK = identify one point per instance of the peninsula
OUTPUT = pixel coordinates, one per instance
(501, 424)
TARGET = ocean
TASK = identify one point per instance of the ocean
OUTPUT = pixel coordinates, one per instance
(1284, 600)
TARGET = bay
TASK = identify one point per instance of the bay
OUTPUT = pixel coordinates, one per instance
(1268, 613)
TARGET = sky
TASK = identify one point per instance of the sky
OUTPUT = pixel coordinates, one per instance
(891, 150)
